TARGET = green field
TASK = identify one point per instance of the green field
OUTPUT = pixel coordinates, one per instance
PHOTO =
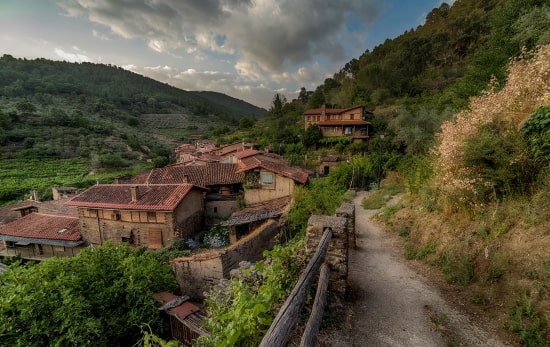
(19, 176)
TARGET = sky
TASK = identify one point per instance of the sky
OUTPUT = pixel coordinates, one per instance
(248, 49)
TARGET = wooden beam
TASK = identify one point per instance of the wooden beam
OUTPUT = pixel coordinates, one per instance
(309, 337)
(286, 319)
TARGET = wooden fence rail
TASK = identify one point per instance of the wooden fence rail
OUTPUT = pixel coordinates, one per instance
(287, 317)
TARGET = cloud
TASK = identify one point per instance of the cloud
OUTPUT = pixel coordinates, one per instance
(261, 36)
(71, 57)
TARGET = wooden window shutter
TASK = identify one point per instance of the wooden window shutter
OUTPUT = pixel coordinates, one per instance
(155, 239)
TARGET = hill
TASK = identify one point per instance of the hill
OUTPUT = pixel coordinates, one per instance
(105, 116)
(463, 104)
(235, 104)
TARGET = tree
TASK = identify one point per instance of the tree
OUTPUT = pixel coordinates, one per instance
(100, 297)
(312, 136)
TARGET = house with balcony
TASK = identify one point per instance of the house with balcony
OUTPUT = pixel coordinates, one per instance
(340, 122)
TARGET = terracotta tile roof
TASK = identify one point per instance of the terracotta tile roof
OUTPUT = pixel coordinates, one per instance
(58, 207)
(177, 306)
(274, 165)
(317, 111)
(343, 122)
(214, 174)
(246, 153)
(199, 175)
(43, 227)
(152, 197)
(332, 158)
(257, 212)
(25, 204)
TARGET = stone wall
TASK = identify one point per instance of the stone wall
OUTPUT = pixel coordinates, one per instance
(337, 254)
(347, 210)
(197, 274)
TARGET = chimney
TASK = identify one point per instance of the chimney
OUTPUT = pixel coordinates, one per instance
(134, 191)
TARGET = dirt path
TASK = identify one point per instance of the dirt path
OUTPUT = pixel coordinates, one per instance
(392, 305)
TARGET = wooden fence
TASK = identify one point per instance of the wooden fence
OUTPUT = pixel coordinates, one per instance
(287, 317)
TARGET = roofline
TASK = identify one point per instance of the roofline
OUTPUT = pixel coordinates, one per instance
(51, 242)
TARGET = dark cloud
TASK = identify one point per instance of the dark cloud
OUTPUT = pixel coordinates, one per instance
(273, 35)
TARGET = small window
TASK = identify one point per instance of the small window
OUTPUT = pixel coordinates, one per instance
(151, 216)
(115, 215)
(92, 212)
(267, 179)
(215, 210)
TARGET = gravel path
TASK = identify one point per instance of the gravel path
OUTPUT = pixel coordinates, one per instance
(392, 305)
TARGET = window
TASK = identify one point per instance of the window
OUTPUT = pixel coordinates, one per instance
(267, 179)
(215, 210)
(151, 216)
(352, 116)
(115, 215)
(92, 212)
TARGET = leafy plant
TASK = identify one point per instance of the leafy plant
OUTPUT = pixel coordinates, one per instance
(217, 237)
(97, 298)
(241, 313)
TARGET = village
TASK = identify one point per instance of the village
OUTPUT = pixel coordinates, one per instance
(243, 189)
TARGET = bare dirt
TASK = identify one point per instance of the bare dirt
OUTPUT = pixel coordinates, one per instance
(395, 302)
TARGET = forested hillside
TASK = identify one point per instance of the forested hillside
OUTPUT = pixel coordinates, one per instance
(58, 118)
(463, 102)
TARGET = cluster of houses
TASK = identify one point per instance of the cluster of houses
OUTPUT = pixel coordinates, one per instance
(240, 189)
(234, 185)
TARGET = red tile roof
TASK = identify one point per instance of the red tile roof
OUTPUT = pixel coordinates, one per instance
(246, 153)
(207, 175)
(274, 165)
(342, 122)
(42, 226)
(182, 311)
(152, 197)
(317, 111)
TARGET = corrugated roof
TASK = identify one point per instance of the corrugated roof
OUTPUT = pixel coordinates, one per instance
(43, 226)
(151, 197)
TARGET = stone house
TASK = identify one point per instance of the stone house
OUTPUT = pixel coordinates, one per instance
(338, 122)
(222, 180)
(39, 236)
(150, 215)
(267, 177)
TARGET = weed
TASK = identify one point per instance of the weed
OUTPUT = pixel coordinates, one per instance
(457, 268)
(404, 232)
(531, 326)
(387, 212)
(483, 231)
(479, 299)
(374, 201)
(429, 248)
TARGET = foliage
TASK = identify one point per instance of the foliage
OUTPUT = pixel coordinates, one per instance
(529, 324)
(536, 131)
(241, 313)
(488, 155)
(511, 104)
(97, 298)
(217, 237)
(321, 197)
